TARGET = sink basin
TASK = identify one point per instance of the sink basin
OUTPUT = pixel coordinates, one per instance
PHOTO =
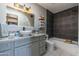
(25, 33)
(38, 34)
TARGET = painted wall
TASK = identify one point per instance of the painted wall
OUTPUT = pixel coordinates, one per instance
(78, 24)
(22, 19)
(37, 11)
(2, 13)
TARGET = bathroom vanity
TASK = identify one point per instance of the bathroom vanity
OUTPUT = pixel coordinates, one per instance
(34, 45)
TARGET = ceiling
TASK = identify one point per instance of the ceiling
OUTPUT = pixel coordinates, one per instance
(57, 7)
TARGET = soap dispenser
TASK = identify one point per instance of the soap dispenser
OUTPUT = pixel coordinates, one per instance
(17, 33)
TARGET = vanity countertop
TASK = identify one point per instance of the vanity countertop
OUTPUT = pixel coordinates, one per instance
(40, 34)
(17, 38)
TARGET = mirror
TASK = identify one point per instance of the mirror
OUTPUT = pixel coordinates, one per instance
(31, 19)
(20, 20)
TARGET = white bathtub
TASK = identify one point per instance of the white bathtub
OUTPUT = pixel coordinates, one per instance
(65, 49)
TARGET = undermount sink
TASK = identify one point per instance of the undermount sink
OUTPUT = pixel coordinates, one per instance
(38, 34)
(25, 33)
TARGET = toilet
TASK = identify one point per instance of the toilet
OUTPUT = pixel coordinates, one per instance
(50, 45)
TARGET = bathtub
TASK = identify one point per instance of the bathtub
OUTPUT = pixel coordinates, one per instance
(65, 49)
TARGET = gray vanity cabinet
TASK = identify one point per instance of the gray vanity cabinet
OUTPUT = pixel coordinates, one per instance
(29, 46)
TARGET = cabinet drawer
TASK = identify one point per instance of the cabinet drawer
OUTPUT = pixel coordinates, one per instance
(34, 44)
(42, 43)
(42, 50)
(43, 37)
(6, 45)
(33, 39)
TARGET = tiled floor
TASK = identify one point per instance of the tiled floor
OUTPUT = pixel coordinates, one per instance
(72, 50)
(52, 53)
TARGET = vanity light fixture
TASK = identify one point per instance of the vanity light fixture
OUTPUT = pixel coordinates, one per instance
(21, 8)
(16, 5)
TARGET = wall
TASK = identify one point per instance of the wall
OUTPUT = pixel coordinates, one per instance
(37, 11)
(66, 24)
(49, 25)
(78, 23)
(22, 19)
(2, 13)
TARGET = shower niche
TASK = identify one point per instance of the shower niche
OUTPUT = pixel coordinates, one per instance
(12, 19)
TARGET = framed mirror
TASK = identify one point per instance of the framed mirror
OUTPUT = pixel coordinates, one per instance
(20, 20)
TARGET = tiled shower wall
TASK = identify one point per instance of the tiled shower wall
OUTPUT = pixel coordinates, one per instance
(66, 24)
(49, 21)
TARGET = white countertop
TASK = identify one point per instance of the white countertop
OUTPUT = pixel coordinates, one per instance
(11, 39)
(40, 34)
(16, 38)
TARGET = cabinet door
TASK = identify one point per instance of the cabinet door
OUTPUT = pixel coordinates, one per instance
(7, 53)
(6, 45)
(21, 41)
(34, 49)
(33, 39)
(42, 50)
(20, 51)
(28, 50)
